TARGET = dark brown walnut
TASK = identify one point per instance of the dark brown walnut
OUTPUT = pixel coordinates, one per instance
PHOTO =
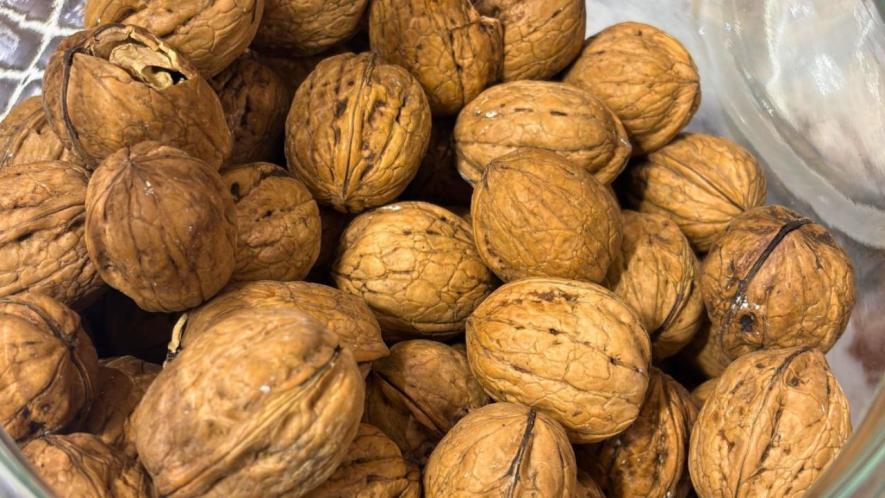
(570, 349)
(438, 180)
(703, 392)
(776, 279)
(121, 328)
(160, 227)
(657, 274)
(645, 76)
(278, 223)
(308, 27)
(541, 37)
(357, 131)
(502, 450)
(333, 224)
(587, 487)
(282, 427)
(540, 115)
(42, 247)
(450, 48)
(418, 393)
(26, 137)
(649, 458)
(82, 466)
(417, 267)
(115, 86)
(373, 467)
(775, 421)
(49, 366)
(702, 182)
(536, 214)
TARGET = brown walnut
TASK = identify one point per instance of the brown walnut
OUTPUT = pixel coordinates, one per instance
(308, 27)
(26, 137)
(544, 115)
(645, 76)
(703, 392)
(502, 450)
(570, 349)
(453, 51)
(587, 487)
(775, 421)
(115, 86)
(438, 180)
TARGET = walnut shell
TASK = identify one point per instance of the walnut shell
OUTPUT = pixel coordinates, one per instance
(703, 392)
(702, 182)
(281, 427)
(502, 450)
(356, 131)
(416, 266)
(278, 223)
(775, 421)
(645, 76)
(570, 349)
(115, 86)
(776, 279)
(121, 328)
(42, 246)
(657, 274)
(418, 393)
(373, 467)
(541, 37)
(160, 227)
(49, 366)
(545, 115)
(82, 466)
(536, 214)
(450, 48)
(587, 487)
(209, 34)
(26, 137)
(438, 180)
(308, 27)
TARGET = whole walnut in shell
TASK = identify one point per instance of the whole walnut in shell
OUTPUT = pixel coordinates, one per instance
(657, 274)
(82, 466)
(416, 266)
(160, 227)
(49, 366)
(536, 214)
(282, 426)
(776, 279)
(544, 115)
(569, 349)
(209, 34)
(357, 131)
(308, 27)
(645, 76)
(703, 392)
(278, 223)
(541, 37)
(702, 182)
(502, 450)
(42, 246)
(115, 86)
(775, 421)
(373, 467)
(438, 180)
(418, 393)
(453, 51)
(26, 137)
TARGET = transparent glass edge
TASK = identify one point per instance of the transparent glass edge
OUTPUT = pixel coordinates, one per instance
(17, 479)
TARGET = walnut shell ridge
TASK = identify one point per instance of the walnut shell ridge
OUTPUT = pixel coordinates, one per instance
(308, 27)
(26, 137)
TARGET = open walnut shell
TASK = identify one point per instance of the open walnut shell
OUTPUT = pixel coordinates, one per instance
(26, 137)
(308, 27)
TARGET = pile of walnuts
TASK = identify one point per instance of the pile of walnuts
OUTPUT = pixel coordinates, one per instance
(438, 248)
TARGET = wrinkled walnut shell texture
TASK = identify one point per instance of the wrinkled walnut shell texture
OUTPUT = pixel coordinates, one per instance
(26, 137)
(308, 27)
(703, 392)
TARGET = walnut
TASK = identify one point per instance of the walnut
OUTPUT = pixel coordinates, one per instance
(540, 114)
(645, 76)
(776, 279)
(356, 131)
(570, 349)
(26, 137)
(703, 392)
(42, 247)
(49, 366)
(657, 274)
(416, 266)
(502, 450)
(115, 86)
(453, 51)
(278, 223)
(438, 180)
(373, 467)
(209, 34)
(82, 466)
(587, 487)
(121, 328)
(536, 214)
(775, 421)
(308, 27)
(418, 393)
(541, 37)
(282, 426)
(702, 182)
(650, 457)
